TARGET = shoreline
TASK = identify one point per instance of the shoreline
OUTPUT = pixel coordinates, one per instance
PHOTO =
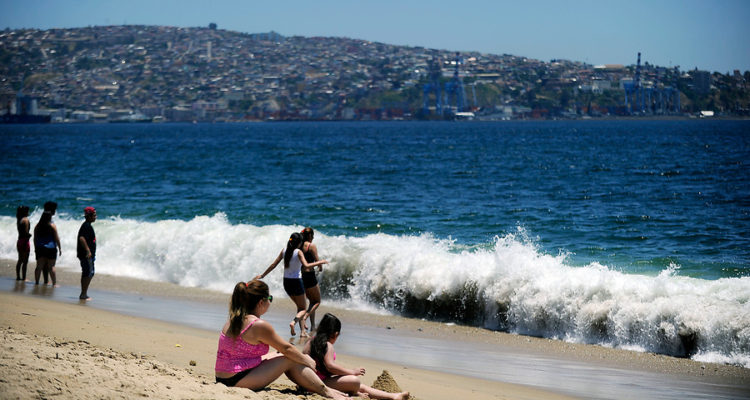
(477, 119)
(420, 382)
(156, 357)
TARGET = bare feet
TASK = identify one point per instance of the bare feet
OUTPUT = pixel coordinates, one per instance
(335, 394)
(291, 327)
(402, 396)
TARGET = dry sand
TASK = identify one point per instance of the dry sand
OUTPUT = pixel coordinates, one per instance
(71, 351)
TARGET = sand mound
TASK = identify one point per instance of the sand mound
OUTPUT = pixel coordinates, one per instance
(386, 383)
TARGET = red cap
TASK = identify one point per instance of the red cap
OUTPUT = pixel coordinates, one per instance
(89, 210)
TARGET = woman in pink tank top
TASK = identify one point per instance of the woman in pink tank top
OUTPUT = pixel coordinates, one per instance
(245, 340)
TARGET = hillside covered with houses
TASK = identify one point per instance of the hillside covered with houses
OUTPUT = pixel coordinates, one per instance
(161, 73)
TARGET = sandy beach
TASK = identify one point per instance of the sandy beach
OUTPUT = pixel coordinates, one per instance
(61, 348)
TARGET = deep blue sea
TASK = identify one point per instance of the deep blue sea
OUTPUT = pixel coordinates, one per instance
(632, 234)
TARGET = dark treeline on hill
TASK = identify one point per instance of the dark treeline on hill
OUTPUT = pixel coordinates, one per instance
(208, 74)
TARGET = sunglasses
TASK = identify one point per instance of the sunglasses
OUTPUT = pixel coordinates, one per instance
(269, 298)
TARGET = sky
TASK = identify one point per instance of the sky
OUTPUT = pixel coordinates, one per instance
(708, 35)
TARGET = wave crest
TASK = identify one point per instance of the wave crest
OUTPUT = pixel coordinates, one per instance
(507, 285)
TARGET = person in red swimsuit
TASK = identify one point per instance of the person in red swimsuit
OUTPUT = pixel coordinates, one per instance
(22, 245)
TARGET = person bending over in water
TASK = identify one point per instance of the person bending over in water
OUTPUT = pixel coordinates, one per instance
(294, 261)
(334, 375)
(245, 340)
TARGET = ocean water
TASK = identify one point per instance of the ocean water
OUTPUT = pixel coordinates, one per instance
(630, 234)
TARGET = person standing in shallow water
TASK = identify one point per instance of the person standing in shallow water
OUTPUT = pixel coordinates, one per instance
(46, 245)
(22, 245)
(86, 251)
(309, 279)
(294, 261)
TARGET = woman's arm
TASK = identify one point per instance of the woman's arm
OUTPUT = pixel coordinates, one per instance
(307, 265)
(263, 332)
(314, 250)
(27, 226)
(271, 267)
(336, 369)
(57, 238)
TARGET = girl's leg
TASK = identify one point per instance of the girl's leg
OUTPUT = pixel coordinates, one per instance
(265, 373)
(379, 394)
(24, 265)
(346, 383)
(38, 270)
(299, 301)
(313, 294)
(19, 248)
(52, 273)
(45, 270)
(18, 268)
(310, 381)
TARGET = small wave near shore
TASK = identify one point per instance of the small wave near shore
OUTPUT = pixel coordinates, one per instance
(508, 285)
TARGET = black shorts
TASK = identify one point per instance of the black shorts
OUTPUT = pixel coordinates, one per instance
(87, 267)
(309, 280)
(293, 286)
(45, 252)
(234, 379)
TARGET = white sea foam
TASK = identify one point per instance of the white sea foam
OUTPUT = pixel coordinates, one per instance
(509, 285)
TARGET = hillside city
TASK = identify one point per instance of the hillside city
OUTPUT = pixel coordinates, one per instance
(161, 73)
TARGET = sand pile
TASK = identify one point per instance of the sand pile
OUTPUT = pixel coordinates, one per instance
(385, 382)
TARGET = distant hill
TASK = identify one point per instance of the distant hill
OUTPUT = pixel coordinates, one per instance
(206, 74)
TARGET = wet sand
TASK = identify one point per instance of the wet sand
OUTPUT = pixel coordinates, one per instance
(431, 360)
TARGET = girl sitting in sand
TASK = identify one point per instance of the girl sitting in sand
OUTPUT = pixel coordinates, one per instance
(334, 375)
(242, 359)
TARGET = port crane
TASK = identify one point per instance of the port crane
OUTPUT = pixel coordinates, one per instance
(450, 98)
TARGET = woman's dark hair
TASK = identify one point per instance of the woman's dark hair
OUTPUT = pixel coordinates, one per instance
(245, 298)
(294, 241)
(307, 234)
(21, 212)
(328, 327)
(43, 227)
(50, 206)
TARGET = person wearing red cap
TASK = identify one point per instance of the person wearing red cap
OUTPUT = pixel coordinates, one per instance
(87, 251)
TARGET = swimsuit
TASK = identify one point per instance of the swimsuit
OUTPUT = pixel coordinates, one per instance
(235, 379)
(309, 279)
(23, 246)
(45, 247)
(324, 374)
(292, 280)
(238, 356)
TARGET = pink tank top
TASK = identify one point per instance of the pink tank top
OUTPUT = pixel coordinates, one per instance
(237, 355)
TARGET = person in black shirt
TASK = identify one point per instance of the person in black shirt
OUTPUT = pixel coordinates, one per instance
(87, 251)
